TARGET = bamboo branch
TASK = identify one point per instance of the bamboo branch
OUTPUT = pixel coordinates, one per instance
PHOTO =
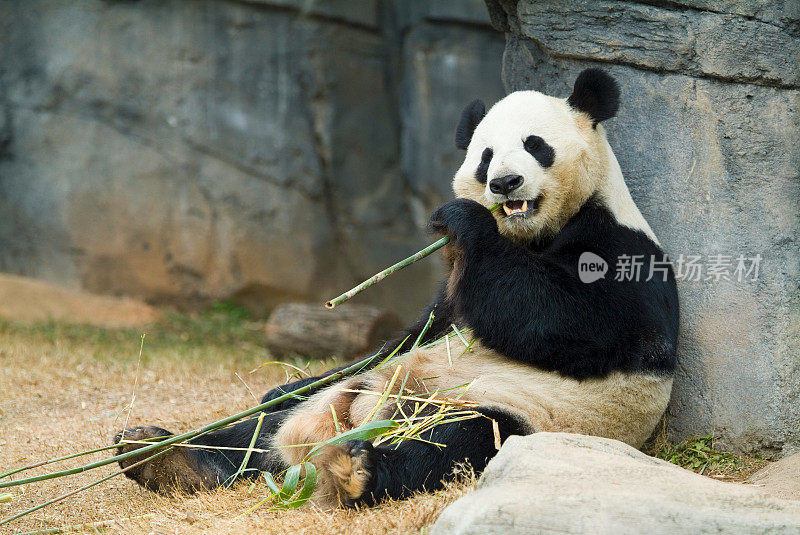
(81, 489)
(56, 460)
(435, 246)
(353, 368)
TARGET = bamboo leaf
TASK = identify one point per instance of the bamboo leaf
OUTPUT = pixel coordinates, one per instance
(385, 396)
(309, 484)
(271, 483)
(290, 482)
(423, 332)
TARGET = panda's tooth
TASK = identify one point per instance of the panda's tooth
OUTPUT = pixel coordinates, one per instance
(524, 207)
(506, 209)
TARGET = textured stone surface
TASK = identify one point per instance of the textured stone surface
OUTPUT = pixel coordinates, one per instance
(563, 483)
(446, 69)
(251, 150)
(780, 479)
(708, 137)
(701, 43)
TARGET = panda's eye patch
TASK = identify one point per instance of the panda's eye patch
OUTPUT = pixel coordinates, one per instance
(539, 149)
(483, 167)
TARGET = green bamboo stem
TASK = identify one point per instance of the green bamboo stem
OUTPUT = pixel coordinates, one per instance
(192, 434)
(435, 246)
(81, 489)
(388, 271)
(56, 460)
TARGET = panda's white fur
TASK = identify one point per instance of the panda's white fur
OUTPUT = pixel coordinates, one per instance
(584, 164)
(622, 406)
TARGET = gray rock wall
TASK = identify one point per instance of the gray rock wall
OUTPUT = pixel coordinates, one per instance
(283, 149)
(259, 150)
(708, 136)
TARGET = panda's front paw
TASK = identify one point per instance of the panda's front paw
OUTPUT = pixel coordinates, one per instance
(464, 220)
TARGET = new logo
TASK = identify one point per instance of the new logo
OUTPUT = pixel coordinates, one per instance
(591, 267)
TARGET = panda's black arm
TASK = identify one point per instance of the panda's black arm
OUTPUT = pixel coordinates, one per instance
(531, 307)
(442, 318)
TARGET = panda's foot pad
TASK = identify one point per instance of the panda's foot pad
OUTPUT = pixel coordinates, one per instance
(347, 472)
(175, 470)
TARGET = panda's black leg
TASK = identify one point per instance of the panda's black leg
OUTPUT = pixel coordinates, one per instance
(214, 462)
(357, 472)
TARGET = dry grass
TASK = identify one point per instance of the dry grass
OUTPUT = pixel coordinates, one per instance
(63, 390)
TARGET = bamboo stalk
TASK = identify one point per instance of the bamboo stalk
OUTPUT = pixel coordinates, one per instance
(98, 525)
(81, 489)
(435, 246)
(205, 429)
(388, 271)
(57, 459)
(243, 466)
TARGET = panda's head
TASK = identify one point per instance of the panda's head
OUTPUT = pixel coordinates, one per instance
(541, 157)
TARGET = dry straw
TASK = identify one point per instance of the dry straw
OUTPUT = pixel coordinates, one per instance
(414, 414)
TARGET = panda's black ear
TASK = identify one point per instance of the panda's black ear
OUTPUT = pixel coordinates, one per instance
(596, 93)
(470, 118)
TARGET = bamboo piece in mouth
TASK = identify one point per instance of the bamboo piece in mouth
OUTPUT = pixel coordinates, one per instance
(419, 255)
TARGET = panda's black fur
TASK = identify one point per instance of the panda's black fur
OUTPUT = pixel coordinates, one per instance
(525, 303)
(580, 330)
(596, 94)
(470, 118)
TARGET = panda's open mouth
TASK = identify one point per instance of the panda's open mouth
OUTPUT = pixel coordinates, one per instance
(521, 207)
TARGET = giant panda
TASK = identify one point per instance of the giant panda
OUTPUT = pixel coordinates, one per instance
(552, 352)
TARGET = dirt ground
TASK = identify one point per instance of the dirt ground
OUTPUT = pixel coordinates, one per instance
(64, 390)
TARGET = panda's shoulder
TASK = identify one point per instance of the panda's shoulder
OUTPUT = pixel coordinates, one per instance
(595, 226)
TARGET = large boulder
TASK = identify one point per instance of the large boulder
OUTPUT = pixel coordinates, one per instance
(708, 137)
(564, 483)
(780, 479)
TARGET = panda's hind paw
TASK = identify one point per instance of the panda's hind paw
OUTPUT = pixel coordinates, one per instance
(174, 470)
(347, 473)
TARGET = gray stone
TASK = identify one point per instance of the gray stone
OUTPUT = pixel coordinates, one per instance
(362, 13)
(780, 479)
(710, 147)
(185, 152)
(446, 68)
(702, 43)
(564, 483)
(410, 12)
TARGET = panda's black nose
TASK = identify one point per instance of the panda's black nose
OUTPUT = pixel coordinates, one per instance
(506, 184)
